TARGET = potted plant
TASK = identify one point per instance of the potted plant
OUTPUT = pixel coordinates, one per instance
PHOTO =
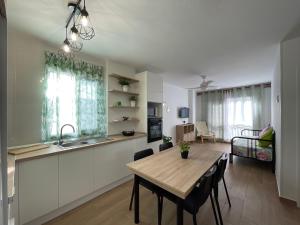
(125, 84)
(184, 149)
(118, 104)
(166, 139)
(133, 100)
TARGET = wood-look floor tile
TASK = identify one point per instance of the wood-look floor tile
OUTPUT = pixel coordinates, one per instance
(252, 189)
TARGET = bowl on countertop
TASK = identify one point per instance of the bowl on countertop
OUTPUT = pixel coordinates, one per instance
(128, 132)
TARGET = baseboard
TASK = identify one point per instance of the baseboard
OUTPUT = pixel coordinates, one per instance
(289, 201)
(75, 204)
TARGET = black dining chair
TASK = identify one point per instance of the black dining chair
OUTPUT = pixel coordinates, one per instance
(140, 155)
(197, 197)
(218, 177)
(165, 146)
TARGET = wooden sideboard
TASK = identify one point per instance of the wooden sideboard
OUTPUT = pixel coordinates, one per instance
(185, 132)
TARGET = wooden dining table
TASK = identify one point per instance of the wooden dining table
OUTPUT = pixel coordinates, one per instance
(170, 172)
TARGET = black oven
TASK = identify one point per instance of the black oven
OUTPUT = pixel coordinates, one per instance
(154, 129)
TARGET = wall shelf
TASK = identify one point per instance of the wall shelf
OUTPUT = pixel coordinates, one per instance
(123, 107)
(122, 121)
(118, 76)
(123, 92)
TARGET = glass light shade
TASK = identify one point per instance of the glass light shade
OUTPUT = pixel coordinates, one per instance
(84, 17)
(74, 33)
(84, 21)
(66, 46)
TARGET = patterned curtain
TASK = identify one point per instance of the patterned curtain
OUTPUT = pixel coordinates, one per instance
(74, 93)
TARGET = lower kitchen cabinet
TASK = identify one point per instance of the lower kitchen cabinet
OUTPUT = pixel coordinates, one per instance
(110, 162)
(75, 175)
(38, 187)
(51, 182)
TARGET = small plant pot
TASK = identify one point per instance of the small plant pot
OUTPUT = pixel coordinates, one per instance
(184, 154)
(132, 103)
(125, 88)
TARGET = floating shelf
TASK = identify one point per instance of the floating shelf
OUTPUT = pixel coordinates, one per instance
(123, 92)
(121, 121)
(118, 76)
(123, 107)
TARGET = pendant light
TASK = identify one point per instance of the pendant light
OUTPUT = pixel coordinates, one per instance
(74, 33)
(86, 31)
(81, 29)
(84, 16)
(66, 46)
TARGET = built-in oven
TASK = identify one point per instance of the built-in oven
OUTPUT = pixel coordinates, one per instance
(154, 129)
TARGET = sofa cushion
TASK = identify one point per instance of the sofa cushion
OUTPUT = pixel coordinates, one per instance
(266, 135)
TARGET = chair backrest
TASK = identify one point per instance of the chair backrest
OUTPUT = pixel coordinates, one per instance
(221, 168)
(143, 154)
(165, 146)
(201, 127)
(205, 187)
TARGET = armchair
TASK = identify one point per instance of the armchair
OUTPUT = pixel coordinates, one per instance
(203, 132)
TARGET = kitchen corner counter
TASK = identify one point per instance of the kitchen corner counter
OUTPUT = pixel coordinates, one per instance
(54, 149)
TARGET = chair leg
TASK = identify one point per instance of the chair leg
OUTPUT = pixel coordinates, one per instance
(214, 209)
(226, 192)
(131, 200)
(195, 219)
(159, 208)
(230, 158)
(219, 210)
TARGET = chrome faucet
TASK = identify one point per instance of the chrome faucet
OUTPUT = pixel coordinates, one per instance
(60, 140)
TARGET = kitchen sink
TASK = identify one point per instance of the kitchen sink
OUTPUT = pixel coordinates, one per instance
(84, 142)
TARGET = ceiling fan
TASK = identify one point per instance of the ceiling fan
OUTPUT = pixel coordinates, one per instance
(205, 84)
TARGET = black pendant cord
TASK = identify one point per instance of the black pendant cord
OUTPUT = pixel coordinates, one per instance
(76, 7)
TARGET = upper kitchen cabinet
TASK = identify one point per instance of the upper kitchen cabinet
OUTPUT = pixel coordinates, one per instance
(154, 88)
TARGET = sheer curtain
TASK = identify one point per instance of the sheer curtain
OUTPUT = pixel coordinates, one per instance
(74, 93)
(227, 112)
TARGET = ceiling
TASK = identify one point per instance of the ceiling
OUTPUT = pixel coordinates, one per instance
(234, 42)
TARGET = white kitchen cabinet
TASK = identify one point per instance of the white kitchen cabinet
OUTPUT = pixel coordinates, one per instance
(154, 88)
(142, 144)
(110, 162)
(38, 187)
(75, 175)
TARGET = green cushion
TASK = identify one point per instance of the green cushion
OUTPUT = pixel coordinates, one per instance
(267, 135)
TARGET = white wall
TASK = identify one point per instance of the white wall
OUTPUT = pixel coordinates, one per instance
(25, 70)
(290, 60)
(175, 97)
(276, 116)
(192, 105)
(286, 82)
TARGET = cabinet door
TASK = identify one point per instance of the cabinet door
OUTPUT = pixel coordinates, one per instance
(155, 88)
(140, 144)
(110, 162)
(75, 175)
(38, 187)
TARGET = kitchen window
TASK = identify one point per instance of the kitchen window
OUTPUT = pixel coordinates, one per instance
(74, 93)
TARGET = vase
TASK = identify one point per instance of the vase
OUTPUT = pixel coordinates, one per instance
(184, 154)
(125, 88)
(132, 103)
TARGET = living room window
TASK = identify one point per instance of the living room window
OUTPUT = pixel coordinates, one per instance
(74, 93)
(227, 112)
